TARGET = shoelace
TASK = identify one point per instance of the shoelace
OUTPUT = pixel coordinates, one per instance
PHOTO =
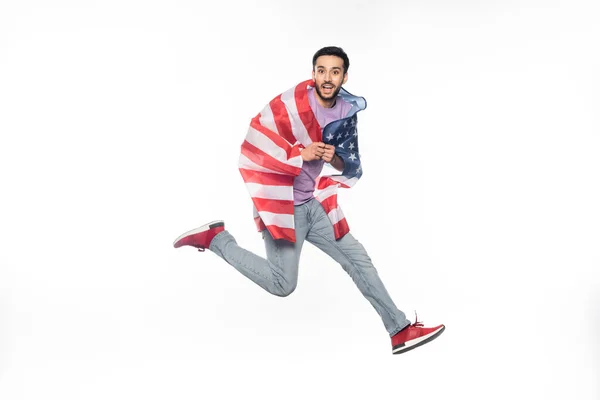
(417, 324)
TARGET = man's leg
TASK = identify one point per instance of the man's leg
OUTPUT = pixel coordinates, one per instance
(277, 274)
(356, 262)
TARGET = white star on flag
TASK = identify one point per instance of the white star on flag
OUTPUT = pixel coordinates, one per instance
(330, 136)
(351, 147)
(352, 156)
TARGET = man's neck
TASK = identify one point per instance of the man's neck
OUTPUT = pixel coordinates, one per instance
(325, 103)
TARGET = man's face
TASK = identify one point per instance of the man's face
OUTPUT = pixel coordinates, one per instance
(329, 76)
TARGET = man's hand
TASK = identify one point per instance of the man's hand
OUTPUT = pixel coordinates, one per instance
(313, 151)
(330, 157)
(329, 153)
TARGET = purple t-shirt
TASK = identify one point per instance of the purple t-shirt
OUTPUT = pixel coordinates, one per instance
(305, 182)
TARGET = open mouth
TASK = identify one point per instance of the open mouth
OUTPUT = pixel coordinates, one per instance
(327, 88)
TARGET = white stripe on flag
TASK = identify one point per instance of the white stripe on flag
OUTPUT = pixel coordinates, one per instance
(280, 220)
(336, 215)
(246, 163)
(346, 181)
(298, 128)
(261, 141)
(327, 192)
(267, 120)
(270, 192)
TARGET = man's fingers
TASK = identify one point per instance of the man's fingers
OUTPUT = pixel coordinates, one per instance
(322, 150)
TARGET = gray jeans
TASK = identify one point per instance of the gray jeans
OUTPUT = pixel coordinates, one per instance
(278, 274)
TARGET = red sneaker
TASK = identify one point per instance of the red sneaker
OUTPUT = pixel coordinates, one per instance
(413, 336)
(200, 238)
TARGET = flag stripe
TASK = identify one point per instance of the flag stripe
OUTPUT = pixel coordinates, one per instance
(260, 157)
(270, 192)
(260, 225)
(274, 206)
(341, 228)
(267, 120)
(335, 215)
(247, 164)
(298, 128)
(325, 193)
(282, 120)
(278, 140)
(306, 114)
(266, 178)
(264, 143)
(327, 181)
(329, 203)
(282, 233)
(279, 220)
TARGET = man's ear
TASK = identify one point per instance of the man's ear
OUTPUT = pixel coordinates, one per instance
(313, 76)
(345, 78)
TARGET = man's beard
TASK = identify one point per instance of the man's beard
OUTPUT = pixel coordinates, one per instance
(332, 96)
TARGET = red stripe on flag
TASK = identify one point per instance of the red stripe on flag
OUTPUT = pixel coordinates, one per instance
(266, 178)
(282, 233)
(265, 160)
(330, 203)
(340, 228)
(276, 231)
(259, 224)
(325, 182)
(274, 206)
(282, 119)
(305, 112)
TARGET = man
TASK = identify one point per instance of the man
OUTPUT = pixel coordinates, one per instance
(281, 162)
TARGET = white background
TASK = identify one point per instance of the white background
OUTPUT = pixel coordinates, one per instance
(120, 126)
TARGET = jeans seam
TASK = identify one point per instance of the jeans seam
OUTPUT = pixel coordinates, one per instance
(276, 279)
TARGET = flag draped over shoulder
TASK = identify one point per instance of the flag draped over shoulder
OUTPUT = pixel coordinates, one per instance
(270, 159)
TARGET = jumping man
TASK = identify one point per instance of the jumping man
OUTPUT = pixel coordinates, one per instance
(281, 163)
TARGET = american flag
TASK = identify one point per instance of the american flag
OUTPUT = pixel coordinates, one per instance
(270, 160)
(344, 136)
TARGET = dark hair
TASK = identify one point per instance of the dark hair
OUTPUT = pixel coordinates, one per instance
(332, 51)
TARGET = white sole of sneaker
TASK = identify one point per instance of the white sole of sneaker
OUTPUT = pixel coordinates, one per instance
(203, 228)
(412, 344)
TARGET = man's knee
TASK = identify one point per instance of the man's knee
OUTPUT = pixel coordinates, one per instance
(285, 289)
